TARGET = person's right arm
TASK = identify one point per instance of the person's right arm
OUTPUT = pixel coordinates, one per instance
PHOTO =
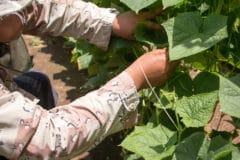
(29, 131)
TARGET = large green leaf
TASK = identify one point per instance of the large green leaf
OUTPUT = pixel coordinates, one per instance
(196, 110)
(137, 5)
(205, 82)
(189, 33)
(188, 149)
(151, 143)
(197, 147)
(181, 84)
(229, 96)
(236, 154)
(215, 149)
(168, 3)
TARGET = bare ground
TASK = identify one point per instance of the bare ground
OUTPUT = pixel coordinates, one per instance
(50, 57)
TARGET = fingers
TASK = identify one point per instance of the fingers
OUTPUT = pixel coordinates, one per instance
(151, 69)
(152, 25)
(125, 23)
(145, 18)
(160, 51)
(150, 14)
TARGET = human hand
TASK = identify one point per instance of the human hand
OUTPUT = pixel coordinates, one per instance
(152, 67)
(10, 28)
(125, 23)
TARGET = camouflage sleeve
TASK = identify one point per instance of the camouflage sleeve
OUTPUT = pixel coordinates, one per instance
(28, 131)
(74, 18)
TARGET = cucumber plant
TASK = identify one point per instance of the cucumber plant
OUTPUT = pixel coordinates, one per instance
(204, 36)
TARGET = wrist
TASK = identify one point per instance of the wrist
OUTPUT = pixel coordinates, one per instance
(124, 25)
(137, 77)
(116, 27)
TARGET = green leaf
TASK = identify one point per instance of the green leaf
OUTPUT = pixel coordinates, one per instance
(204, 7)
(118, 43)
(168, 3)
(84, 61)
(137, 5)
(167, 99)
(189, 34)
(83, 47)
(199, 147)
(151, 143)
(114, 61)
(229, 96)
(133, 157)
(150, 36)
(182, 84)
(215, 149)
(93, 70)
(188, 149)
(95, 81)
(204, 61)
(196, 110)
(236, 154)
(205, 82)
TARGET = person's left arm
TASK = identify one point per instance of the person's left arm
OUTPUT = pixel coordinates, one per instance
(85, 20)
(76, 18)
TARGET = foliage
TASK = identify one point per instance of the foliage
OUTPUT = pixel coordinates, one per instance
(204, 36)
(151, 142)
(200, 34)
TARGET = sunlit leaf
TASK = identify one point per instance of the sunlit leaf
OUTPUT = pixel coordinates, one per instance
(84, 61)
(168, 3)
(204, 7)
(133, 157)
(137, 5)
(189, 33)
(236, 154)
(151, 143)
(197, 146)
(196, 110)
(229, 96)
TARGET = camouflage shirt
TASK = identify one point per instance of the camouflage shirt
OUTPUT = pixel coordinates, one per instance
(28, 131)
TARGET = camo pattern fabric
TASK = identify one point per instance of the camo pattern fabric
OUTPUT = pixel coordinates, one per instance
(28, 131)
(74, 18)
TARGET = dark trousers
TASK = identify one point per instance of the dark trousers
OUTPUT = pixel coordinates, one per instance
(38, 84)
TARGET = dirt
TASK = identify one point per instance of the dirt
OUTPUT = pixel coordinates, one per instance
(51, 57)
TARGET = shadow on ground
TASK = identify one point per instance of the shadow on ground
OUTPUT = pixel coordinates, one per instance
(50, 57)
